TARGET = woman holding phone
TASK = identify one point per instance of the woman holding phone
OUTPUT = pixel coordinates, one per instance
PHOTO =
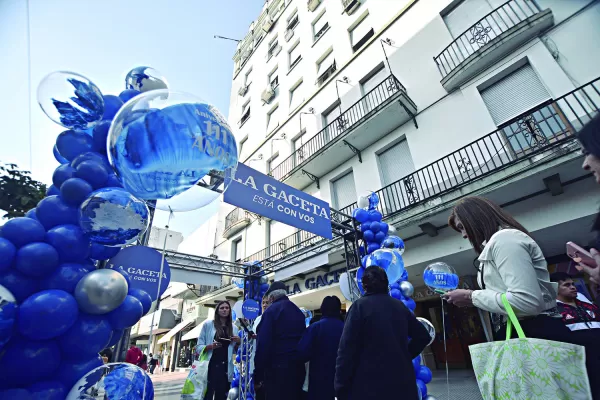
(217, 340)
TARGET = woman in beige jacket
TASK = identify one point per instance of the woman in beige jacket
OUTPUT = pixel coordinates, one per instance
(510, 262)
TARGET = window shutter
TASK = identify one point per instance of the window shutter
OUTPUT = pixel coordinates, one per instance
(360, 31)
(344, 191)
(374, 80)
(395, 163)
(465, 15)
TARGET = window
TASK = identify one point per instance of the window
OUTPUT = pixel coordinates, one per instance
(325, 68)
(237, 250)
(395, 163)
(247, 78)
(259, 38)
(277, 232)
(297, 148)
(372, 81)
(514, 94)
(274, 48)
(296, 96)
(293, 21)
(360, 33)
(242, 142)
(330, 116)
(320, 26)
(273, 119)
(245, 112)
(294, 56)
(272, 163)
(344, 191)
(274, 79)
(462, 16)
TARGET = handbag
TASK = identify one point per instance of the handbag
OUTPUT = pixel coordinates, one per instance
(527, 368)
(196, 382)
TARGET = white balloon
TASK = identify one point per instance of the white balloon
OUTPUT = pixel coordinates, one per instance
(363, 202)
(430, 329)
(237, 308)
(348, 287)
(391, 229)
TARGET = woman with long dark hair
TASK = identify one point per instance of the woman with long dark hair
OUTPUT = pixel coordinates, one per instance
(511, 262)
(218, 341)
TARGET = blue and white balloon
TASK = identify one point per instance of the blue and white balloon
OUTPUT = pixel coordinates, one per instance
(144, 79)
(393, 242)
(440, 276)
(388, 259)
(8, 315)
(113, 217)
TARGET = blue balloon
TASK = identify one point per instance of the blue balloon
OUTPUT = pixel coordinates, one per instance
(52, 211)
(93, 172)
(48, 390)
(369, 236)
(86, 338)
(416, 362)
(100, 136)
(36, 260)
(114, 181)
(100, 212)
(61, 174)
(127, 314)
(359, 275)
(52, 191)
(69, 372)
(391, 262)
(361, 250)
(422, 387)
(125, 275)
(363, 261)
(71, 143)
(372, 247)
(21, 231)
(19, 285)
(365, 227)
(143, 297)
(112, 104)
(31, 214)
(74, 191)
(128, 94)
(379, 236)
(99, 252)
(360, 214)
(424, 374)
(404, 276)
(375, 226)
(115, 337)
(395, 285)
(47, 314)
(8, 316)
(384, 228)
(70, 242)
(374, 215)
(12, 394)
(397, 294)
(58, 157)
(410, 304)
(373, 201)
(393, 242)
(91, 156)
(27, 361)
(65, 277)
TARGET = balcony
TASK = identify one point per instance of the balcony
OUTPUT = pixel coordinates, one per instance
(380, 111)
(235, 221)
(490, 39)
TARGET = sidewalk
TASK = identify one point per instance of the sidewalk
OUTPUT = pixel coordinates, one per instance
(463, 385)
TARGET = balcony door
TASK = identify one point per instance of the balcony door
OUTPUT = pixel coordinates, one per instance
(343, 191)
(373, 94)
(396, 165)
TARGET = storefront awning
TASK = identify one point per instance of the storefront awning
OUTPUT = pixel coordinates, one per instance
(175, 330)
(194, 333)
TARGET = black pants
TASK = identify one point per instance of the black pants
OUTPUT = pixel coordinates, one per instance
(548, 328)
(284, 382)
(218, 384)
(152, 368)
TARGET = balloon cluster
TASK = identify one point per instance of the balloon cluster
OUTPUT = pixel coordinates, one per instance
(58, 307)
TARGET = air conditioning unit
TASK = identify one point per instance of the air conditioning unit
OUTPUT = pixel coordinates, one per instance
(288, 35)
(243, 90)
(268, 95)
(268, 25)
(313, 4)
(352, 6)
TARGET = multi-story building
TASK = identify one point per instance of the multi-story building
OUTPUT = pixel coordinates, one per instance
(423, 102)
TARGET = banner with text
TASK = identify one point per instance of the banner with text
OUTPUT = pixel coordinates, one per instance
(263, 195)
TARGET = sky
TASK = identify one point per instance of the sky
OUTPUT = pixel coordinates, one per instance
(103, 40)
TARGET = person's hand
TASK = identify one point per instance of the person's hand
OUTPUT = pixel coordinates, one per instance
(593, 272)
(460, 297)
(236, 339)
(213, 346)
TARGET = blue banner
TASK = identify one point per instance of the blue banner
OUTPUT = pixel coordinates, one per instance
(143, 266)
(263, 195)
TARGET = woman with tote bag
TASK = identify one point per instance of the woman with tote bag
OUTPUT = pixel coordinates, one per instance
(513, 275)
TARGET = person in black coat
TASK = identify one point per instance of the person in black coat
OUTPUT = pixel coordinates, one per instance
(375, 354)
(276, 363)
(319, 346)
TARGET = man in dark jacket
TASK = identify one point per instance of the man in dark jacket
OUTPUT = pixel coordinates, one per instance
(276, 364)
(375, 355)
(319, 346)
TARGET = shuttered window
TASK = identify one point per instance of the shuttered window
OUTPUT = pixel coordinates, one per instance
(465, 15)
(325, 63)
(344, 191)
(273, 119)
(238, 250)
(296, 96)
(514, 94)
(374, 80)
(395, 163)
(359, 33)
(278, 231)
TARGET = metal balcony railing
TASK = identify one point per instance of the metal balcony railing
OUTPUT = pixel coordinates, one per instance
(368, 105)
(234, 217)
(483, 32)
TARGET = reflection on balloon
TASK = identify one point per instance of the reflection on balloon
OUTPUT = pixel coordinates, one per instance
(101, 291)
(430, 328)
(393, 242)
(388, 259)
(8, 315)
(113, 217)
(173, 148)
(145, 79)
(70, 99)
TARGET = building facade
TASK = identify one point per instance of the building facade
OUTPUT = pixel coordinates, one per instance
(423, 102)
(158, 236)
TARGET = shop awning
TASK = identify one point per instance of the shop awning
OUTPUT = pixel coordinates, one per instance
(175, 330)
(194, 333)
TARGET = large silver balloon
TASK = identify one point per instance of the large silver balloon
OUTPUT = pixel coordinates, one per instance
(429, 327)
(101, 291)
(391, 229)
(407, 288)
(233, 394)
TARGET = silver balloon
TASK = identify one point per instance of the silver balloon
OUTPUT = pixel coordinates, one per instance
(407, 288)
(233, 394)
(391, 229)
(145, 79)
(101, 291)
(430, 397)
(430, 329)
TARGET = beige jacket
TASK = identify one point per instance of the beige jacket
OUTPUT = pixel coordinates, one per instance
(514, 264)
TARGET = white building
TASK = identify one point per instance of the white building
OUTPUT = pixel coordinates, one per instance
(476, 97)
(157, 238)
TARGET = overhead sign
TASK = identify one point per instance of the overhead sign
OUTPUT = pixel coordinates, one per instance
(263, 195)
(250, 309)
(143, 266)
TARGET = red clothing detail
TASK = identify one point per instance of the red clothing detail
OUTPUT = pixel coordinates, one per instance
(134, 355)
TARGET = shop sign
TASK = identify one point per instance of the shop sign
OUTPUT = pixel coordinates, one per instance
(190, 310)
(315, 282)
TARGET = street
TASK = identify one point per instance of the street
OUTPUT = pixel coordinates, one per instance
(168, 385)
